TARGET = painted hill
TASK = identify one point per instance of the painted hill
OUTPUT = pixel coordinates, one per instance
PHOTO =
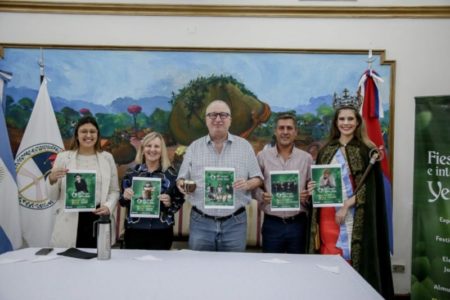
(148, 104)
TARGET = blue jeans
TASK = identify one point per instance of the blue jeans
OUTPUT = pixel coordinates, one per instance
(284, 236)
(206, 234)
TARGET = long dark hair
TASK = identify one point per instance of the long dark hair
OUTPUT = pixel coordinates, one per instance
(86, 120)
(360, 131)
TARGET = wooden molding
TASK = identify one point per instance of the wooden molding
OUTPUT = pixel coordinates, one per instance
(225, 10)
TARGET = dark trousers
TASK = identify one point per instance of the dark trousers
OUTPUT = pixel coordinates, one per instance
(284, 236)
(150, 239)
(85, 230)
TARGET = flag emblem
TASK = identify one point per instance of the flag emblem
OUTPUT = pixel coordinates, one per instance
(33, 165)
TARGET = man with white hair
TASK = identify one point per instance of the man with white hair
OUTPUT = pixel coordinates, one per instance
(218, 229)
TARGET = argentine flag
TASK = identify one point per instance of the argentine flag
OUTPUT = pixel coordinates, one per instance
(10, 225)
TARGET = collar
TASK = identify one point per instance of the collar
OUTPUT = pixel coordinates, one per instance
(336, 142)
(143, 168)
(274, 150)
(230, 138)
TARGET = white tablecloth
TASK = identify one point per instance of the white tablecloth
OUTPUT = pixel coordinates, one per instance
(180, 275)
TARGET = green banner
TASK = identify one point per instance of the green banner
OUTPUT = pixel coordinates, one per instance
(430, 278)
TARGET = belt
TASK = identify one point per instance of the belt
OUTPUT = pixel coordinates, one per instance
(287, 220)
(216, 218)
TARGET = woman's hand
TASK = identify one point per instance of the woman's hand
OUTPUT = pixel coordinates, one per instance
(310, 187)
(340, 215)
(128, 194)
(165, 199)
(342, 212)
(56, 174)
(102, 211)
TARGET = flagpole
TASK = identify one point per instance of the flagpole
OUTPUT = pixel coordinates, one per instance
(4, 78)
(370, 60)
(371, 111)
(41, 66)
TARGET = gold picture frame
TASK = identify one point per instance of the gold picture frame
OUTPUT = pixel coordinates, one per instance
(289, 11)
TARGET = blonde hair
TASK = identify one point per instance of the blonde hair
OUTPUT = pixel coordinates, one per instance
(164, 160)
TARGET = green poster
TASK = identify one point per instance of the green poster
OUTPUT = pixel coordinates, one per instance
(219, 192)
(328, 189)
(284, 190)
(145, 202)
(80, 190)
(430, 266)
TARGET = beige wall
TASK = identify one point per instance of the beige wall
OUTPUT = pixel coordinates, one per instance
(420, 47)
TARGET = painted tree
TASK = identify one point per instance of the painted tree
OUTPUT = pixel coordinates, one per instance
(134, 110)
(85, 111)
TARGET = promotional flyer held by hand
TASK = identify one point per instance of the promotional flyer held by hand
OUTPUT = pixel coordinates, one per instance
(145, 202)
(328, 190)
(80, 190)
(284, 190)
(219, 192)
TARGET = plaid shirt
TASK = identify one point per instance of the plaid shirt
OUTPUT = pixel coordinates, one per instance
(237, 153)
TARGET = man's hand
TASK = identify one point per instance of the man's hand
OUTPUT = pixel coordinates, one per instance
(180, 186)
(304, 197)
(241, 184)
(267, 197)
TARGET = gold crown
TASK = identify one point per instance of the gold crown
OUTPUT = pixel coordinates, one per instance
(346, 101)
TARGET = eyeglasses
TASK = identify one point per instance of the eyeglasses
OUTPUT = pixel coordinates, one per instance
(222, 115)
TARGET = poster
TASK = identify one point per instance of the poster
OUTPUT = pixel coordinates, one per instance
(328, 190)
(284, 190)
(430, 266)
(219, 192)
(145, 202)
(80, 190)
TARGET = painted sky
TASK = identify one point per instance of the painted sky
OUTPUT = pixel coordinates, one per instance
(100, 76)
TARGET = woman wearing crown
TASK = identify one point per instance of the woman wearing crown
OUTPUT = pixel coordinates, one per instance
(358, 230)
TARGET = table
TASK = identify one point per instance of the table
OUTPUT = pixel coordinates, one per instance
(181, 275)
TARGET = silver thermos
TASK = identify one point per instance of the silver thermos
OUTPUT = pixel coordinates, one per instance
(103, 238)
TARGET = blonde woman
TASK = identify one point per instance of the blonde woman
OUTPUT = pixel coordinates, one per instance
(152, 161)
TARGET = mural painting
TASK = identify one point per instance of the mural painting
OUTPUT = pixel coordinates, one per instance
(133, 92)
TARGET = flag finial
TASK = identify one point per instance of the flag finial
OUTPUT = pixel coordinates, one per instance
(41, 66)
(370, 59)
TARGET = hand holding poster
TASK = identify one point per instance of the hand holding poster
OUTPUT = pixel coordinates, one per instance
(80, 190)
(328, 189)
(284, 190)
(219, 192)
(145, 202)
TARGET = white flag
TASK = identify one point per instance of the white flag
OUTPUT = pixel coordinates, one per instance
(40, 144)
(10, 230)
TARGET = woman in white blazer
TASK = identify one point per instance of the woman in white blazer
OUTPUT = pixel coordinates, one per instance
(75, 229)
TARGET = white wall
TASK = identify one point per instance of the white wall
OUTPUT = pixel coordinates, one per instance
(420, 47)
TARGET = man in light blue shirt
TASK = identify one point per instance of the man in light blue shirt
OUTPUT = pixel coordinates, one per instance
(219, 229)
